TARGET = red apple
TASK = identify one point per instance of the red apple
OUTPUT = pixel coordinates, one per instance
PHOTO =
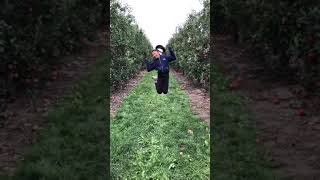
(311, 40)
(301, 112)
(275, 100)
(311, 57)
(28, 81)
(234, 85)
(54, 75)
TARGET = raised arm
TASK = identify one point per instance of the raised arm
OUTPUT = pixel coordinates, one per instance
(172, 56)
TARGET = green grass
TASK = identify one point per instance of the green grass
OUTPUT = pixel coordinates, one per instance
(72, 145)
(148, 130)
(235, 153)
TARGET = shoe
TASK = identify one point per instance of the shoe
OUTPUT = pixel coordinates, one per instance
(155, 78)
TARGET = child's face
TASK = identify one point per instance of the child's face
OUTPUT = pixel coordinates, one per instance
(155, 54)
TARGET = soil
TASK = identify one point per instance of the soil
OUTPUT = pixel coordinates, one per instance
(199, 98)
(25, 118)
(118, 95)
(286, 117)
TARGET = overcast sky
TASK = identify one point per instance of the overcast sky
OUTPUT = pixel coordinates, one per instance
(159, 18)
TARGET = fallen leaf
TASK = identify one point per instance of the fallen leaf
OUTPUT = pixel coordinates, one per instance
(190, 132)
(206, 142)
(172, 165)
(182, 147)
(36, 128)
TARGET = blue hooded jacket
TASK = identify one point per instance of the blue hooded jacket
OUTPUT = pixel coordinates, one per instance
(161, 64)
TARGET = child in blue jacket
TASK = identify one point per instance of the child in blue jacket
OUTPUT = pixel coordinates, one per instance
(161, 64)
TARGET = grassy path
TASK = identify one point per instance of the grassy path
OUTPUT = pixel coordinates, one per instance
(157, 136)
(72, 144)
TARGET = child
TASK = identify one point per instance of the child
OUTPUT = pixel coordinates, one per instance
(161, 64)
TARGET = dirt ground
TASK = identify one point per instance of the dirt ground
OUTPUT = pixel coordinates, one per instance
(23, 121)
(286, 117)
(199, 99)
(117, 96)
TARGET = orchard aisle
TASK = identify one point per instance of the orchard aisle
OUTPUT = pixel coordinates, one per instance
(70, 143)
(118, 95)
(283, 116)
(157, 136)
(48, 126)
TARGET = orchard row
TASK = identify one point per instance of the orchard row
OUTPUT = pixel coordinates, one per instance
(285, 35)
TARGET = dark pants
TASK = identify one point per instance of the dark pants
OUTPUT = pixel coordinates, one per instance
(162, 83)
